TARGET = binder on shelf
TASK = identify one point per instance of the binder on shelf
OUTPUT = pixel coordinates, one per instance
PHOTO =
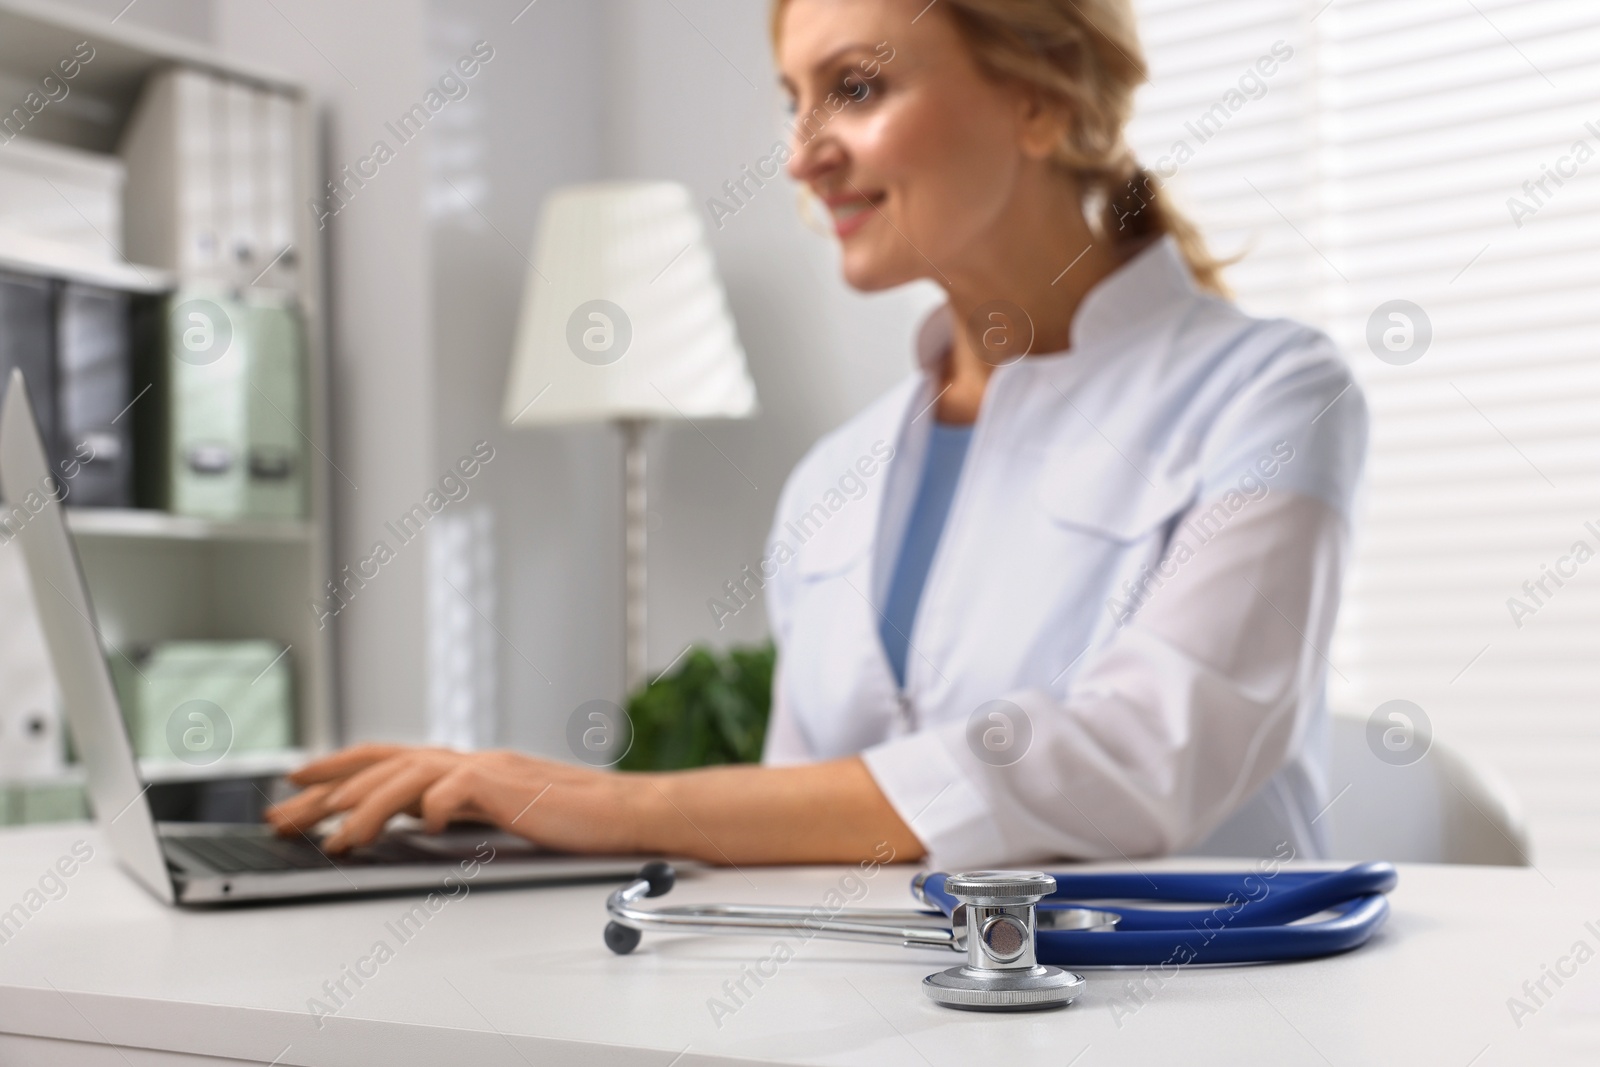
(27, 342)
(237, 134)
(169, 203)
(203, 384)
(209, 173)
(276, 201)
(94, 441)
(276, 458)
(231, 386)
(198, 701)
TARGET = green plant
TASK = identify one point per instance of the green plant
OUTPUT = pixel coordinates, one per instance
(711, 709)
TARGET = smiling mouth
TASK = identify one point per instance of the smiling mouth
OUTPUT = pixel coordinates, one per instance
(850, 215)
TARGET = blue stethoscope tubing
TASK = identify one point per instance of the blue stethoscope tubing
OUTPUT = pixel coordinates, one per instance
(1246, 918)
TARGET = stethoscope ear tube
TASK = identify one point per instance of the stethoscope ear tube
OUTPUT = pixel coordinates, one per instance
(912, 929)
(1255, 899)
(1354, 923)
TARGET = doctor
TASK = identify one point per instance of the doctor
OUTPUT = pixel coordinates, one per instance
(1067, 591)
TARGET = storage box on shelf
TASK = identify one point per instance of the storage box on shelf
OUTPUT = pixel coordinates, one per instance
(64, 195)
(221, 433)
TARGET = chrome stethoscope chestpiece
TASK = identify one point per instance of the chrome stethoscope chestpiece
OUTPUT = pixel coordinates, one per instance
(1002, 972)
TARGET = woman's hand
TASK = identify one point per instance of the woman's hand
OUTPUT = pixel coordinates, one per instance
(827, 812)
(572, 809)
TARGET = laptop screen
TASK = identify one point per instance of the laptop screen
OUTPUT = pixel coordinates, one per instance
(35, 523)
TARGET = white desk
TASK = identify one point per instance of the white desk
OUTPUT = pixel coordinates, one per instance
(511, 977)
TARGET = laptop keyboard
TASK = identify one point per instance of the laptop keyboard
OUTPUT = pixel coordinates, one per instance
(248, 850)
(234, 853)
(237, 853)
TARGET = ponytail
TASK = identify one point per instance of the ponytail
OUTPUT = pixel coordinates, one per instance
(1140, 209)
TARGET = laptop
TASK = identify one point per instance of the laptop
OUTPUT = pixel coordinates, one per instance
(212, 863)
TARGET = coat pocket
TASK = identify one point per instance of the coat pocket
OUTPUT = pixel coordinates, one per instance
(1114, 498)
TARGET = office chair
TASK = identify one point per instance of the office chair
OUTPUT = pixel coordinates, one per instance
(1444, 808)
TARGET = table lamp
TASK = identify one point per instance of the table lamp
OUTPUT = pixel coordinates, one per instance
(624, 320)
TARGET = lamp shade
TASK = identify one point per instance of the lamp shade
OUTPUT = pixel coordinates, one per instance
(623, 315)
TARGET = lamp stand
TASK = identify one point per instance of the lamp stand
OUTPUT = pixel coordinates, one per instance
(635, 526)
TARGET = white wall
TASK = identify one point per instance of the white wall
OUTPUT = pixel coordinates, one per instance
(366, 60)
(533, 121)
(631, 89)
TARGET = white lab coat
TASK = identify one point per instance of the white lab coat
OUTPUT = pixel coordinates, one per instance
(1142, 560)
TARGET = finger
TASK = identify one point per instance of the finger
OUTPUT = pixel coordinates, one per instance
(448, 798)
(348, 792)
(341, 795)
(301, 812)
(394, 795)
(319, 801)
(345, 763)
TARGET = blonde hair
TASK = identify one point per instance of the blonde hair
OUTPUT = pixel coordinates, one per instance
(1084, 55)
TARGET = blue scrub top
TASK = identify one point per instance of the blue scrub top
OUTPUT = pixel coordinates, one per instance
(947, 451)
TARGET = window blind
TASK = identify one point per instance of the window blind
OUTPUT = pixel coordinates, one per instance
(1445, 153)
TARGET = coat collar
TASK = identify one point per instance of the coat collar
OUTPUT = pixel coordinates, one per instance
(1140, 297)
(1137, 302)
(1154, 281)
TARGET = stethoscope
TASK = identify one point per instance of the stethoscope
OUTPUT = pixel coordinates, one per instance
(1018, 947)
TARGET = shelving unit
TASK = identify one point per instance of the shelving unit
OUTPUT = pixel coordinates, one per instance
(158, 525)
(34, 34)
(162, 772)
(155, 576)
(37, 256)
